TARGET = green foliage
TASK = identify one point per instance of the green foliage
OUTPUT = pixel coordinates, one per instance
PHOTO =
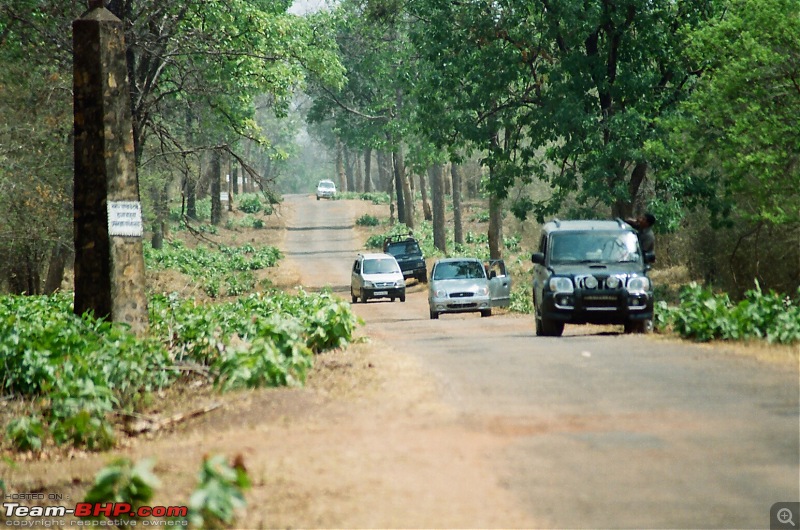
(228, 266)
(261, 339)
(734, 142)
(376, 241)
(121, 481)
(250, 203)
(214, 503)
(703, 315)
(219, 494)
(521, 299)
(481, 217)
(88, 369)
(367, 220)
(26, 433)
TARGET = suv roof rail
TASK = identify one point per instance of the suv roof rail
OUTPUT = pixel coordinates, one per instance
(557, 221)
(620, 222)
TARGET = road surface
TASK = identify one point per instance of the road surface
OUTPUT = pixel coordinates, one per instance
(599, 429)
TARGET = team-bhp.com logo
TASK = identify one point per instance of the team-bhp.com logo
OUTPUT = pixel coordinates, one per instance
(122, 513)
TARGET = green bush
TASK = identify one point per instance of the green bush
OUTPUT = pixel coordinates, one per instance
(250, 203)
(88, 369)
(26, 433)
(703, 315)
(367, 220)
(214, 268)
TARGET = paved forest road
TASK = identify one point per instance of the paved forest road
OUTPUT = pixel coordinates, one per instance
(597, 429)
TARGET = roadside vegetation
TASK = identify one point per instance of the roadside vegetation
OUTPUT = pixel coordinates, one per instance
(78, 380)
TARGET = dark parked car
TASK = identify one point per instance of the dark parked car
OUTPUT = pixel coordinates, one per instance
(406, 251)
(591, 272)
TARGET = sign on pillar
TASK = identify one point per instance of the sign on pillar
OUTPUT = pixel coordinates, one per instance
(109, 263)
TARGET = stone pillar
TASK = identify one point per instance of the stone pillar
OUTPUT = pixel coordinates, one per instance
(109, 264)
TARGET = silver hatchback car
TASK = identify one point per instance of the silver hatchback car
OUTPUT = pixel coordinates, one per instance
(459, 285)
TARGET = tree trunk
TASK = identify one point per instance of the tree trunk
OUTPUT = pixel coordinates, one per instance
(495, 214)
(437, 188)
(495, 227)
(190, 195)
(458, 232)
(399, 186)
(349, 170)
(367, 170)
(423, 186)
(358, 177)
(408, 200)
(625, 209)
(215, 173)
(55, 272)
(340, 174)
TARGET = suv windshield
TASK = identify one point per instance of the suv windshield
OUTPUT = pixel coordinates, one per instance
(594, 247)
(459, 270)
(380, 266)
(326, 185)
(404, 248)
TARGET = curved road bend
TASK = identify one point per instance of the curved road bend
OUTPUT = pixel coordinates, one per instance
(603, 430)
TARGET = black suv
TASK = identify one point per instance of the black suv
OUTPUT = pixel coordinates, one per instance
(406, 251)
(591, 272)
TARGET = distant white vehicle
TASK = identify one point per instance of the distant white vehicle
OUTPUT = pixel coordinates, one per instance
(326, 189)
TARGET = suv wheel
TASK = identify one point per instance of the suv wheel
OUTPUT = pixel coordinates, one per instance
(544, 326)
(638, 326)
(551, 328)
(353, 297)
(403, 296)
(434, 315)
(363, 296)
(422, 278)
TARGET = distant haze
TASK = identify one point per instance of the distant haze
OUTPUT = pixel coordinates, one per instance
(301, 7)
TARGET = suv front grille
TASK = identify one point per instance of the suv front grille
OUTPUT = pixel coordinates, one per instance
(602, 282)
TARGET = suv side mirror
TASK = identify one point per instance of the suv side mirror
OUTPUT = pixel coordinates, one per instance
(649, 257)
(538, 258)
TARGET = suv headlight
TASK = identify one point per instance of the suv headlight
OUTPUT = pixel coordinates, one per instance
(639, 284)
(368, 285)
(560, 284)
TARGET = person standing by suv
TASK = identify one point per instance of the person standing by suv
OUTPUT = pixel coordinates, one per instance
(644, 228)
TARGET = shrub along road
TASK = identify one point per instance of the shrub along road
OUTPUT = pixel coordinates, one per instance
(595, 429)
